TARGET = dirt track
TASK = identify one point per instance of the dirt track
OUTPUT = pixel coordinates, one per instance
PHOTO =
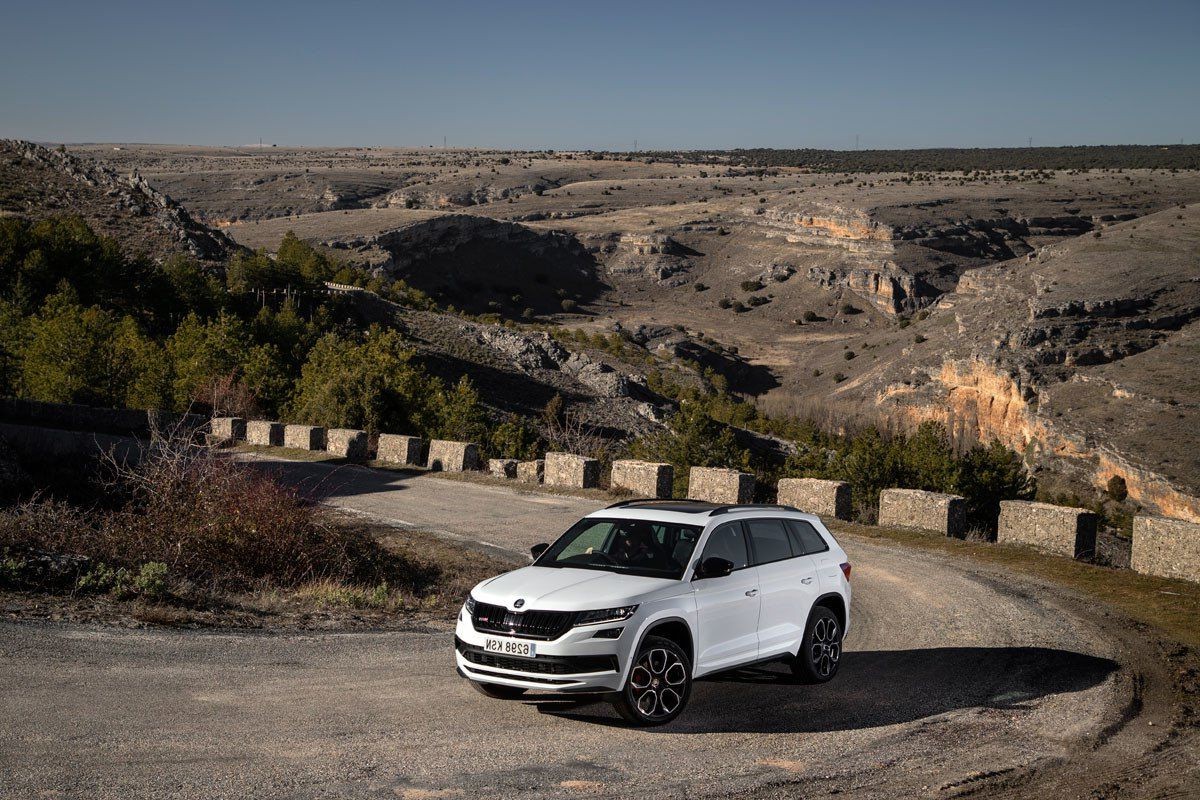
(958, 678)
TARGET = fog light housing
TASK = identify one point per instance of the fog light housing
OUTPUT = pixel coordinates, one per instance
(608, 633)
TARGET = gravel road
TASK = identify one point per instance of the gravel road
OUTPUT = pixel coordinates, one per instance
(958, 678)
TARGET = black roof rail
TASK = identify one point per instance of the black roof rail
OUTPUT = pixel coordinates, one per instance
(701, 505)
(621, 503)
(749, 507)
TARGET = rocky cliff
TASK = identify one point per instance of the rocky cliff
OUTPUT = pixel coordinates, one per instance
(129, 195)
(1085, 357)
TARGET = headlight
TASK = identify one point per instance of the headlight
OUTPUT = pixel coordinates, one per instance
(605, 615)
(469, 605)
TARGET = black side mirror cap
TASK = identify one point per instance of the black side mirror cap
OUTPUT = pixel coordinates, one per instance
(714, 567)
(538, 549)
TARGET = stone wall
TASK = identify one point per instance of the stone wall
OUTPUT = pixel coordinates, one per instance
(718, 485)
(924, 511)
(453, 456)
(89, 419)
(397, 449)
(51, 447)
(228, 429)
(531, 471)
(571, 471)
(347, 443)
(502, 467)
(265, 433)
(643, 478)
(1168, 548)
(826, 498)
(1061, 531)
(303, 437)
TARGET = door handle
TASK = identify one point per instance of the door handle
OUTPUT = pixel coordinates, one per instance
(751, 592)
(806, 581)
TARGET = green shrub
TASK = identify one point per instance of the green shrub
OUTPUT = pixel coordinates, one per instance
(1117, 488)
(151, 580)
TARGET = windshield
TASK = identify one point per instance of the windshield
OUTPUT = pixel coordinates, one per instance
(632, 546)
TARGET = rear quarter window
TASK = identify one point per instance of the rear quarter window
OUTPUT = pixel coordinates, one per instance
(805, 537)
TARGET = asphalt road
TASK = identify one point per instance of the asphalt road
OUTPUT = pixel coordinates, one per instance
(957, 678)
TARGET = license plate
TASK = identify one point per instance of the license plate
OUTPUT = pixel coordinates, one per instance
(509, 647)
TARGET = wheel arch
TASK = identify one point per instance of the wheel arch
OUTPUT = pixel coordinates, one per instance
(835, 603)
(675, 629)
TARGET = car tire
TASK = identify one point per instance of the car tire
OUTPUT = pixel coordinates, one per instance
(659, 683)
(821, 652)
(498, 690)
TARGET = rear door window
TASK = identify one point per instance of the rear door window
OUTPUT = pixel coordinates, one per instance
(728, 542)
(805, 537)
(770, 539)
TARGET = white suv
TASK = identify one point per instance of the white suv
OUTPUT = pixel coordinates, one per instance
(621, 604)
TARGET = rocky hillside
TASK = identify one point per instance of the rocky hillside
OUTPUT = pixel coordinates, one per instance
(1085, 355)
(36, 182)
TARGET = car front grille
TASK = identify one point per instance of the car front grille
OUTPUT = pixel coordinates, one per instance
(541, 665)
(531, 624)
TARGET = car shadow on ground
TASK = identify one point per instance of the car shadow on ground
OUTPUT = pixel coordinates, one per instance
(324, 480)
(873, 688)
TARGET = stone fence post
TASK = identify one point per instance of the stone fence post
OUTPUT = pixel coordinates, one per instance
(717, 485)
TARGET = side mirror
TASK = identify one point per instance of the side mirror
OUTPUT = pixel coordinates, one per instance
(538, 549)
(714, 567)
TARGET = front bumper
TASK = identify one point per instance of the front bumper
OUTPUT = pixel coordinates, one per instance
(575, 662)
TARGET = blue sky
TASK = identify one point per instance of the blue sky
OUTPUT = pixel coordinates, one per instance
(602, 75)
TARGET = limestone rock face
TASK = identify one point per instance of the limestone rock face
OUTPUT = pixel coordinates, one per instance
(716, 485)
(1169, 548)
(889, 289)
(1057, 530)
(133, 193)
(538, 351)
(924, 511)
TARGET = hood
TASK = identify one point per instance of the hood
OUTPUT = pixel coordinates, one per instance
(566, 589)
